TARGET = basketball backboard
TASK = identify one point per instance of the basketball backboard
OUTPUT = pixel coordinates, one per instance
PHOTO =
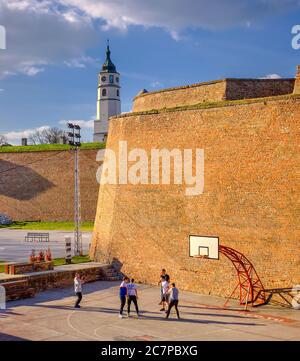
(204, 246)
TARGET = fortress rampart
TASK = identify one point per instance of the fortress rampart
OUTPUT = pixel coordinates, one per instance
(297, 82)
(39, 186)
(250, 197)
(227, 89)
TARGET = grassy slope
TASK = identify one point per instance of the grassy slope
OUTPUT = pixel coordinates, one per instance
(49, 226)
(48, 147)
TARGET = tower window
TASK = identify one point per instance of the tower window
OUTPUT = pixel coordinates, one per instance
(103, 78)
(117, 79)
(118, 93)
(104, 92)
(111, 79)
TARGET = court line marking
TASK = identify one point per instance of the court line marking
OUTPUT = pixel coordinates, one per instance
(249, 313)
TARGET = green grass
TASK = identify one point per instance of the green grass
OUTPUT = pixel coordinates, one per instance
(1, 267)
(48, 147)
(75, 260)
(210, 105)
(60, 261)
(50, 226)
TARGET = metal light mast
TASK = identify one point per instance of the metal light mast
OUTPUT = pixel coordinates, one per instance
(74, 140)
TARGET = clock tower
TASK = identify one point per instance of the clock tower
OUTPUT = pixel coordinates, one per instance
(108, 98)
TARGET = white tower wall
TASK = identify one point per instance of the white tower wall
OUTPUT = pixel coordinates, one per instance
(108, 99)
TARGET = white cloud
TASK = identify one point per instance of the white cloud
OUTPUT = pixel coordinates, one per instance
(1, 90)
(45, 32)
(156, 84)
(80, 62)
(177, 15)
(41, 33)
(16, 136)
(87, 126)
(271, 76)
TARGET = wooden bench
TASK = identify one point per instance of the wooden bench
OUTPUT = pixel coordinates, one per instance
(40, 237)
(26, 267)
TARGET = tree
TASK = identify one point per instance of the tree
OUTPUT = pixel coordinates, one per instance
(47, 136)
(3, 139)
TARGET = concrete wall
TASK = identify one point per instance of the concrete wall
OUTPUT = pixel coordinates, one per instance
(38, 186)
(227, 89)
(250, 196)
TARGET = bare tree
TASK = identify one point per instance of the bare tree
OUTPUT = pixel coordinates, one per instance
(3, 139)
(46, 136)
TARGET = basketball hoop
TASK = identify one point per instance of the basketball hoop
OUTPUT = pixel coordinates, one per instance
(200, 256)
(250, 287)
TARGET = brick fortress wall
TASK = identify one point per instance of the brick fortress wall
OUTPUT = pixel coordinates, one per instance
(250, 198)
(39, 186)
(227, 89)
(297, 82)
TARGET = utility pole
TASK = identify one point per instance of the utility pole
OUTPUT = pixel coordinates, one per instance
(74, 140)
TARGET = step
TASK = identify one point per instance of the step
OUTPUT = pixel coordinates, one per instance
(21, 293)
(111, 279)
(14, 285)
(16, 290)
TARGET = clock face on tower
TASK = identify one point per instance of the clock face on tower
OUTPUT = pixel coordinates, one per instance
(103, 78)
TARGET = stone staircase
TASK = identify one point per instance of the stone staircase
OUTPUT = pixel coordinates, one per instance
(110, 273)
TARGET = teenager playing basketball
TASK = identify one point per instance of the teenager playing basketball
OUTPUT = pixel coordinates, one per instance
(123, 295)
(132, 296)
(174, 299)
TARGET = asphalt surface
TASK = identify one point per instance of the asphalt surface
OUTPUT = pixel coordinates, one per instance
(13, 247)
(51, 316)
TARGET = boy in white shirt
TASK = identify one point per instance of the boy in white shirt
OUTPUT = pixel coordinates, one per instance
(78, 282)
(132, 297)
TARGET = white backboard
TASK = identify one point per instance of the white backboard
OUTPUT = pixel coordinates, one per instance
(204, 246)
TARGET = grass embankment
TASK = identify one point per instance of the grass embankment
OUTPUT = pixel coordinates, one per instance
(60, 261)
(49, 226)
(47, 147)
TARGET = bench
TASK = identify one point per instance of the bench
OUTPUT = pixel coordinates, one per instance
(40, 237)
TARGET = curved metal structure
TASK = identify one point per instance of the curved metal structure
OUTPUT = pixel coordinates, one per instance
(251, 289)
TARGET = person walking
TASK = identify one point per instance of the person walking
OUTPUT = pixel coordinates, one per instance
(78, 282)
(165, 289)
(174, 299)
(123, 295)
(132, 296)
(167, 278)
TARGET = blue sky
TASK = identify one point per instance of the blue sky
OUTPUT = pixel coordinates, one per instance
(48, 73)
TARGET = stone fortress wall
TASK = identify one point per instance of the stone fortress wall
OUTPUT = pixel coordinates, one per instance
(250, 197)
(39, 186)
(218, 90)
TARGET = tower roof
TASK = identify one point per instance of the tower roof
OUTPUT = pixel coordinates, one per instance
(108, 65)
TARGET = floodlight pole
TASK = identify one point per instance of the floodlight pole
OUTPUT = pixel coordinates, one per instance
(77, 208)
(74, 140)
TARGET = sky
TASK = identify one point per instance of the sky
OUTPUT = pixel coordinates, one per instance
(55, 49)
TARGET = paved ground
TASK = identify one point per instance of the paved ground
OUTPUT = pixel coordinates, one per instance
(13, 248)
(50, 316)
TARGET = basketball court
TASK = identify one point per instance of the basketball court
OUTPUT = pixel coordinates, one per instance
(50, 316)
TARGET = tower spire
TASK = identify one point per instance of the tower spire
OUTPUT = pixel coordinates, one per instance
(108, 64)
